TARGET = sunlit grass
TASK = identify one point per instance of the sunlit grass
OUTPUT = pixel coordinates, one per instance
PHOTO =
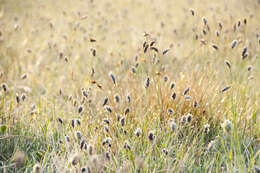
(129, 86)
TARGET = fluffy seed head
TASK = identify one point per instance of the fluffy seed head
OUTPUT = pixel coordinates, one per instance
(228, 64)
(189, 117)
(183, 119)
(147, 82)
(186, 91)
(172, 85)
(37, 168)
(122, 121)
(105, 101)
(80, 109)
(165, 78)
(233, 44)
(227, 125)
(170, 111)
(173, 126)
(75, 159)
(117, 98)
(204, 20)
(112, 77)
(17, 98)
(151, 135)
(108, 109)
(174, 96)
(206, 128)
(118, 116)
(78, 135)
(4, 86)
(23, 97)
(19, 158)
(138, 132)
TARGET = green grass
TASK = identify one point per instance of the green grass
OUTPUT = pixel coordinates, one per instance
(53, 47)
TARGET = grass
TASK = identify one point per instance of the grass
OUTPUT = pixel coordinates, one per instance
(60, 56)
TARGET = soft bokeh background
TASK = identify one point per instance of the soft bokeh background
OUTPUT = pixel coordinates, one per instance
(49, 42)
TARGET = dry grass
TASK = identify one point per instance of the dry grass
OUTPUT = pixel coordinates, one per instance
(59, 60)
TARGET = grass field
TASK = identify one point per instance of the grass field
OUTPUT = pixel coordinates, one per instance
(129, 86)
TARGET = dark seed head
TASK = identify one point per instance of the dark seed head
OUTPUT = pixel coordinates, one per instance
(147, 82)
(215, 46)
(134, 69)
(127, 110)
(118, 116)
(244, 52)
(83, 142)
(186, 91)
(226, 88)
(128, 98)
(117, 98)
(122, 121)
(105, 101)
(4, 86)
(233, 44)
(172, 85)
(113, 77)
(174, 96)
(106, 121)
(151, 135)
(228, 64)
(165, 51)
(17, 98)
(195, 104)
(60, 120)
(108, 109)
(23, 96)
(80, 109)
(165, 78)
(170, 111)
(73, 123)
(189, 118)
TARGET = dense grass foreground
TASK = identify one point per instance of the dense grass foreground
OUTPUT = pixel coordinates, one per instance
(129, 86)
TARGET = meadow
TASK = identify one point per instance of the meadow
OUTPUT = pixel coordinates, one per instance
(129, 86)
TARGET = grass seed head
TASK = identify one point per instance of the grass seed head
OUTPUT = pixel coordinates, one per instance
(105, 101)
(165, 78)
(78, 135)
(147, 82)
(80, 109)
(233, 44)
(17, 98)
(189, 117)
(204, 19)
(172, 85)
(108, 108)
(117, 98)
(75, 159)
(122, 121)
(19, 158)
(5, 87)
(23, 97)
(170, 111)
(37, 168)
(183, 119)
(151, 135)
(228, 64)
(186, 91)
(112, 77)
(173, 126)
(206, 128)
(227, 126)
(138, 132)
(174, 96)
